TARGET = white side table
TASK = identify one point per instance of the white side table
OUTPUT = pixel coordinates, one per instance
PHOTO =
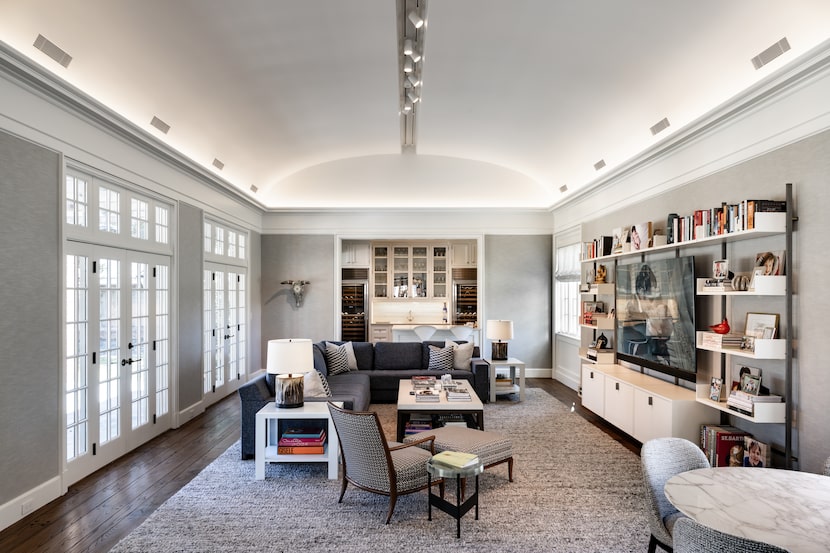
(267, 435)
(513, 364)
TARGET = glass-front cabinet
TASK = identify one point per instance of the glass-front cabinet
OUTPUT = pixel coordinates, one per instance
(439, 271)
(380, 273)
(410, 271)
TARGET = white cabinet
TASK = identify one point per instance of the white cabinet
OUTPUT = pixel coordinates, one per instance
(619, 404)
(643, 406)
(593, 390)
(464, 254)
(355, 254)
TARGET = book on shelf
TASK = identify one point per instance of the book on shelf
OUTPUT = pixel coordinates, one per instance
(456, 459)
(301, 450)
(719, 443)
(300, 432)
(715, 340)
(293, 441)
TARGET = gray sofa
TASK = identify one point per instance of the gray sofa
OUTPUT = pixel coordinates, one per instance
(381, 367)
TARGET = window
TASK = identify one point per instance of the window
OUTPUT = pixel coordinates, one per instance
(139, 219)
(566, 291)
(224, 243)
(77, 204)
(108, 210)
(162, 225)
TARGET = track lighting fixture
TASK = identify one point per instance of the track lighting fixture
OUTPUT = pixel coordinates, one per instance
(412, 96)
(407, 47)
(416, 19)
(408, 65)
(413, 80)
(407, 106)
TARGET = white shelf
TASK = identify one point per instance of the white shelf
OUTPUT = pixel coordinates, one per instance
(602, 289)
(506, 390)
(271, 456)
(763, 412)
(764, 348)
(765, 285)
(603, 322)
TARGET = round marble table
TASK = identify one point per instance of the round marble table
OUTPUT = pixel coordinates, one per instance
(789, 509)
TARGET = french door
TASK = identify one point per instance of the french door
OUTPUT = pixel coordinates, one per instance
(117, 358)
(224, 330)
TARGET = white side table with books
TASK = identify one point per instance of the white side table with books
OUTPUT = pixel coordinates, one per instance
(271, 422)
(517, 382)
(787, 508)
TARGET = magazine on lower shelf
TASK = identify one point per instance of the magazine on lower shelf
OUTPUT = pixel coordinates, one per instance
(456, 459)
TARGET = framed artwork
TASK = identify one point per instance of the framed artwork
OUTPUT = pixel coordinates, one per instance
(758, 323)
(715, 388)
(750, 383)
(720, 268)
(770, 263)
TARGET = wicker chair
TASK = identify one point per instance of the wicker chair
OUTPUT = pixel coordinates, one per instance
(375, 465)
(661, 459)
(692, 537)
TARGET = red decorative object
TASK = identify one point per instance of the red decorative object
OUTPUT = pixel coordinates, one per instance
(722, 327)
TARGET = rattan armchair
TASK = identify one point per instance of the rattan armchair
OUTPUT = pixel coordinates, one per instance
(661, 459)
(375, 465)
(692, 537)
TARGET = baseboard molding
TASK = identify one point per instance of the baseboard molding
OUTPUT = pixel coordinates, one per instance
(25, 504)
(189, 413)
(538, 373)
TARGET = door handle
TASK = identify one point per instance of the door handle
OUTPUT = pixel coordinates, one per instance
(229, 336)
(129, 361)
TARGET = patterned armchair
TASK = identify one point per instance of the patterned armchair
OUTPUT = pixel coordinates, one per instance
(661, 459)
(692, 537)
(375, 465)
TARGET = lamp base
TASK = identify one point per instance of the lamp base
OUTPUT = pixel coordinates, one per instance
(288, 391)
(499, 351)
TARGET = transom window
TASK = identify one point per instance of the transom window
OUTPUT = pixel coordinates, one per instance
(225, 243)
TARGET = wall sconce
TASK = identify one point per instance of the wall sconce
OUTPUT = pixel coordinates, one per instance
(298, 288)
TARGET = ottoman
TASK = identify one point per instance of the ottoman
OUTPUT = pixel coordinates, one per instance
(491, 448)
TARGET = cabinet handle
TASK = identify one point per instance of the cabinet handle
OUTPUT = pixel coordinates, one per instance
(649, 400)
(616, 385)
(592, 375)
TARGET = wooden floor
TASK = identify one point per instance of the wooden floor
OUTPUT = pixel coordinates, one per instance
(103, 508)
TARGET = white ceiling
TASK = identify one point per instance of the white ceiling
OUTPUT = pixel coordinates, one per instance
(301, 97)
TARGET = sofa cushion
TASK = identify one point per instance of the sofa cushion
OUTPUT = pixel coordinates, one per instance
(398, 355)
(337, 358)
(440, 359)
(462, 354)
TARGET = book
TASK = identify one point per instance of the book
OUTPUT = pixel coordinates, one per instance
(729, 448)
(457, 459)
(423, 382)
(303, 433)
(300, 450)
(458, 396)
(756, 453)
(426, 396)
(294, 441)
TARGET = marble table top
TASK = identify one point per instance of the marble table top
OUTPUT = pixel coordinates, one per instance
(789, 509)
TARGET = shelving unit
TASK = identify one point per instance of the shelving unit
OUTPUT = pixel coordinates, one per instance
(602, 323)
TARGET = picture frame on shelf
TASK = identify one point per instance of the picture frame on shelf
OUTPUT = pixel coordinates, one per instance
(756, 323)
(742, 370)
(720, 269)
(617, 240)
(750, 384)
(716, 388)
(771, 263)
(748, 343)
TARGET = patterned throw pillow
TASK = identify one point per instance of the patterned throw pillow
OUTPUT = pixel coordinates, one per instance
(440, 359)
(315, 385)
(337, 359)
(462, 354)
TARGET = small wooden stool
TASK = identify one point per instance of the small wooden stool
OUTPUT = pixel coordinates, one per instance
(492, 448)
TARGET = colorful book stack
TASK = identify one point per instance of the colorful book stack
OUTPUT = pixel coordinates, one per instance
(723, 445)
(423, 382)
(302, 441)
(744, 402)
(418, 423)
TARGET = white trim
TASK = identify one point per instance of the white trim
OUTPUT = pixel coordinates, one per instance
(26, 503)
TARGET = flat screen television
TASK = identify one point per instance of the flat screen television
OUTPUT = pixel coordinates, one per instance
(655, 313)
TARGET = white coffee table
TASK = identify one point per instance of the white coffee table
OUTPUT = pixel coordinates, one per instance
(407, 405)
(267, 435)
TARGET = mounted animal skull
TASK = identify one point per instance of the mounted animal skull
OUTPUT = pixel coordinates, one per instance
(297, 287)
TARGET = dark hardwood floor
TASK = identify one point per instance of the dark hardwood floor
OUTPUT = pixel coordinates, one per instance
(104, 507)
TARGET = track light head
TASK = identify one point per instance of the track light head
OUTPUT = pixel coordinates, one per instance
(407, 47)
(416, 19)
(412, 96)
(413, 80)
(408, 66)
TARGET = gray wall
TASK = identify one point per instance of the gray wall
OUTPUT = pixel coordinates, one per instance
(298, 257)
(29, 329)
(189, 260)
(518, 287)
(807, 165)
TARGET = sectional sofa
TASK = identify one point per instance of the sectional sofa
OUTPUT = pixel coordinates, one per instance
(380, 367)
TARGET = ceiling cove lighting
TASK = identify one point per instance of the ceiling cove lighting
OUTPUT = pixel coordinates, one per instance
(416, 19)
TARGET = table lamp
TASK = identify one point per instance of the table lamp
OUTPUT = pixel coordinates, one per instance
(498, 331)
(289, 359)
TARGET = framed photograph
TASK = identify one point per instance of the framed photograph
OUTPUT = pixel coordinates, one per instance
(715, 389)
(750, 384)
(740, 372)
(770, 263)
(720, 268)
(748, 343)
(756, 323)
(769, 333)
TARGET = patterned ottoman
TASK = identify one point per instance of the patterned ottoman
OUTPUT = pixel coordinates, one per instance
(491, 448)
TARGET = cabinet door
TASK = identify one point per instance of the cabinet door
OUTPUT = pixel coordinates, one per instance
(464, 254)
(355, 254)
(593, 390)
(380, 272)
(619, 404)
(652, 416)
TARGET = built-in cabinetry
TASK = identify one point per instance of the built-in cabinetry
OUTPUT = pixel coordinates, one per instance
(648, 407)
(464, 253)
(643, 406)
(355, 254)
(409, 271)
(597, 326)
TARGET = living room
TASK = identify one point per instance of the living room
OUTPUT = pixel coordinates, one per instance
(775, 134)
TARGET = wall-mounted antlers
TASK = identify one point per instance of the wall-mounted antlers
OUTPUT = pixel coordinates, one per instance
(298, 288)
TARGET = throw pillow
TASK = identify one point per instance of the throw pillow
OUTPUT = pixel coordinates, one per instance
(349, 353)
(440, 359)
(337, 359)
(462, 354)
(315, 385)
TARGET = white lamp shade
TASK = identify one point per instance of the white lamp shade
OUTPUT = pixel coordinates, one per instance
(290, 355)
(499, 330)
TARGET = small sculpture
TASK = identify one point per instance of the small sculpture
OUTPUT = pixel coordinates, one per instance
(298, 288)
(721, 328)
(601, 274)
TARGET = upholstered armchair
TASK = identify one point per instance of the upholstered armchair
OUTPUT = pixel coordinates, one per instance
(375, 465)
(661, 459)
(692, 537)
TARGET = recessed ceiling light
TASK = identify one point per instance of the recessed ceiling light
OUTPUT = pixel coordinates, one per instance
(160, 125)
(563, 188)
(660, 125)
(52, 50)
(599, 164)
(218, 164)
(254, 188)
(770, 53)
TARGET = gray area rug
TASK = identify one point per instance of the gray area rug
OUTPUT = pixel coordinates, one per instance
(575, 489)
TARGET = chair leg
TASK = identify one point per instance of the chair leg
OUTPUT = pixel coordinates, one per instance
(393, 498)
(654, 542)
(510, 469)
